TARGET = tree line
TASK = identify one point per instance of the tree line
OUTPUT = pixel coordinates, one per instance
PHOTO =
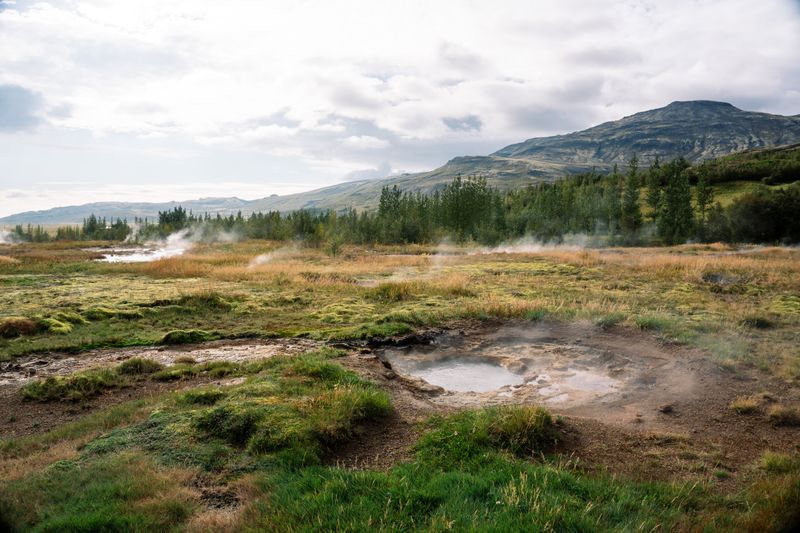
(665, 204)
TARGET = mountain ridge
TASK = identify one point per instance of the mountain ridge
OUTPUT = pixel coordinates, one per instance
(694, 129)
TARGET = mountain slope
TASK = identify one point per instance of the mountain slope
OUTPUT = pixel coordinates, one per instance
(696, 130)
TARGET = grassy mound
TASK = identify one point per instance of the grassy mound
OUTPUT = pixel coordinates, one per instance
(190, 336)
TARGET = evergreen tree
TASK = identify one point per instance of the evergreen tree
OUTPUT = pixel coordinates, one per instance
(613, 205)
(676, 219)
(631, 214)
(705, 198)
(653, 183)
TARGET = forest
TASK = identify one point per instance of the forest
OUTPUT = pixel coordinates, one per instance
(663, 204)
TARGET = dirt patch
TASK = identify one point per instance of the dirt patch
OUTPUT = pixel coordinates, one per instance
(23, 369)
(19, 417)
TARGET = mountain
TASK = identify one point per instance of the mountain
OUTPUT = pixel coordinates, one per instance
(697, 130)
(128, 210)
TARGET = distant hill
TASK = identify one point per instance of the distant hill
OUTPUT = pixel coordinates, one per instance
(697, 130)
(128, 210)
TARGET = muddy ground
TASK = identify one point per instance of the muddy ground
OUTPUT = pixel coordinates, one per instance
(630, 404)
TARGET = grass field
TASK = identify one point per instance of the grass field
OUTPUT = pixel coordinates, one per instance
(252, 445)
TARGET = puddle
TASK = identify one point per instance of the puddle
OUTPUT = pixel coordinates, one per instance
(564, 365)
(462, 375)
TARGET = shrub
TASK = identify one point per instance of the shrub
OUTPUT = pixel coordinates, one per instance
(180, 336)
(139, 365)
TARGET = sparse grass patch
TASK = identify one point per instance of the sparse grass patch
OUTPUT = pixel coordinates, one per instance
(650, 323)
(71, 318)
(139, 365)
(75, 387)
(393, 291)
(746, 405)
(191, 336)
(176, 372)
(462, 439)
(778, 463)
(784, 415)
(204, 300)
(203, 396)
(535, 314)
(122, 492)
(758, 322)
(370, 331)
(610, 320)
(55, 326)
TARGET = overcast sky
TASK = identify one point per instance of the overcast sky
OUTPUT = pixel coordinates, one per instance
(160, 100)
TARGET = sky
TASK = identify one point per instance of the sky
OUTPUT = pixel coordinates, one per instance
(159, 100)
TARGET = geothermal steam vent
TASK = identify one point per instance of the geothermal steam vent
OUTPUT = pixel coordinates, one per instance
(568, 365)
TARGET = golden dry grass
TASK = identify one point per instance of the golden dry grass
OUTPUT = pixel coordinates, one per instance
(20, 467)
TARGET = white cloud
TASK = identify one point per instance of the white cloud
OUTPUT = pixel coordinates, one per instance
(348, 85)
(365, 142)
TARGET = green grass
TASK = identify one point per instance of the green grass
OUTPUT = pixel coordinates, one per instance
(124, 492)
(76, 387)
(138, 366)
(187, 336)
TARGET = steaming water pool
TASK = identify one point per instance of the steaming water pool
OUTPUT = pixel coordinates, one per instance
(140, 255)
(175, 245)
(563, 365)
(464, 375)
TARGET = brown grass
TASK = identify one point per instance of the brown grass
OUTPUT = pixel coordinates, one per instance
(20, 467)
(746, 405)
(784, 415)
